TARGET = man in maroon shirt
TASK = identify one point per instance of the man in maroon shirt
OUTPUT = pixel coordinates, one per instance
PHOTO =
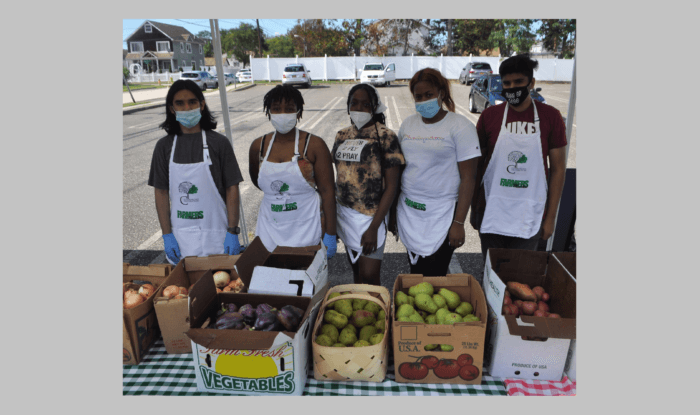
(517, 201)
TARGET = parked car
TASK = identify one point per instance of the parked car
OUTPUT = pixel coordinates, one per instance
(486, 91)
(377, 74)
(244, 75)
(472, 71)
(203, 79)
(230, 78)
(296, 73)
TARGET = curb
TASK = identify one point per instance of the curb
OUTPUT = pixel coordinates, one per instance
(161, 103)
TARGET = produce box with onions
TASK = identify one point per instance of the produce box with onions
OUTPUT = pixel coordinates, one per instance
(250, 344)
(531, 298)
(284, 271)
(171, 302)
(438, 329)
(140, 326)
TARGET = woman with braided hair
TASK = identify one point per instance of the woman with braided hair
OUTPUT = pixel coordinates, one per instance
(368, 160)
(293, 169)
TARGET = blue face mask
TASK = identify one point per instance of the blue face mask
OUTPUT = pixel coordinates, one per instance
(429, 108)
(188, 119)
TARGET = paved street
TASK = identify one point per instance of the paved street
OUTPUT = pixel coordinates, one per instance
(324, 114)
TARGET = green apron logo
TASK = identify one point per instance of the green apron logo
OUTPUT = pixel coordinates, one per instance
(284, 208)
(517, 158)
(520, 184)
(279, 186)
(188, 189)
(418, 206)
(190, 215)
(283, 383)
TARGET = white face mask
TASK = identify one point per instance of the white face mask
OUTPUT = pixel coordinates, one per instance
(283, 123)
(360, 118)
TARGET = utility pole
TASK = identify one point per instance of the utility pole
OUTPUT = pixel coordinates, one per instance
(259, 38)
(449, 37)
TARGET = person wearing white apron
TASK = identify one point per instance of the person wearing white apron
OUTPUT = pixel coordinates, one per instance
(510, 206)
(441, 150)
(194, 217)
(368, 159)
(291, 210)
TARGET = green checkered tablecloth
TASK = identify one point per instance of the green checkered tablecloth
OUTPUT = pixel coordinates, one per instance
(161, 373)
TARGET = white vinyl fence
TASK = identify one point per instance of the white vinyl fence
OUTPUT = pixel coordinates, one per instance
(349, 67)
(165, 77)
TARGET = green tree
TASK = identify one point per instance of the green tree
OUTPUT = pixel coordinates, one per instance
(436, 34)
(319, 37)
(512, 35)
(472, 36)
(281, 46)
(559, 36)
(355, 31)
(241, 42)
(127, 73)
(204, 34)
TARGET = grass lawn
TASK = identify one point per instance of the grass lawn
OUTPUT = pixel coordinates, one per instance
(143, 86)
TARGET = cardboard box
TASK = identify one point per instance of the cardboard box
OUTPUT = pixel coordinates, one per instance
(508, 355)
(243, 362)
(140, 326)
(173, 315)
(285, 271)
(368, 363)
(409, 339)
(568, 260)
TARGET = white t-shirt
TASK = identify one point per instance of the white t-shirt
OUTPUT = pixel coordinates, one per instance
(432, 152)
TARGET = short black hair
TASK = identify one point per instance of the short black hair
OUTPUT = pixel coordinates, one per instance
(171, 125)
(373, 99)
(522, 64)
(286, 92)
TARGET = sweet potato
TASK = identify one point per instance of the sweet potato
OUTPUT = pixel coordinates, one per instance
(507, 300)
(529, 307)
(554, 315)
(538, 292)
(514, 310)
(541, 305)
(519, 304)
(522, 291)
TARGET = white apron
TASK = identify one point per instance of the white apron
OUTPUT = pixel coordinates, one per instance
(351, 224)
(290, 211)
(423, 224)
(515, 184)
(197, 212)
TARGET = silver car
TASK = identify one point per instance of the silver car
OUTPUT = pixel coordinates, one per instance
(473, 70)
(203, 79)
(296, 73)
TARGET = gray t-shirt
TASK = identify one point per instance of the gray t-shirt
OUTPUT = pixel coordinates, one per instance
(224, 167)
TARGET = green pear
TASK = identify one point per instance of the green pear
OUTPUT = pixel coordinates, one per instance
(401, 299)
(324, 340)
(416, 318)
(361, 318)
(422, 288)
(381, 326)
(335, 318)
(431, 319)
(366, 332)
(333, 295)
(439, 300)
(376, 339)
(358, 304)
(440, 314)
(405, 310)
(446, 347)
(374, 308)
(344, 307)
(411, 300)
(347, 337)
(464, 308)
(431, 346)
(381, 315)
(339, 345)
(452, 318)
(361, 343)
(425, 302)
(452, 298)
(330, 331)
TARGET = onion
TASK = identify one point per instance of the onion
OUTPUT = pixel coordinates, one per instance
(227, 289)
(132, 301)
(171, 291)
(129, 292)
(221, 279)
(182, 290)
(179, 296)
(147, 290)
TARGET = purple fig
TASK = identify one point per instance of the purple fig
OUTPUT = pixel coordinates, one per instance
(231, 320)
(249, 313)
(267, 322)
(289, 316)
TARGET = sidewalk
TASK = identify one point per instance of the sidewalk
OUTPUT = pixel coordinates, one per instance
(155, 97)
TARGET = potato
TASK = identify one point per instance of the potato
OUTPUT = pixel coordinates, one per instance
(529, 307)
(522, 291)
(507, 294)
(519, 304)
(545, 297)
(541, 305)
(514, 310)
(554, 315)
(540, 313)
(507, 300)
(538, 292)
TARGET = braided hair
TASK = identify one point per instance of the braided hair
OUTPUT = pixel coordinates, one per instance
(373, 98)
(280, 92)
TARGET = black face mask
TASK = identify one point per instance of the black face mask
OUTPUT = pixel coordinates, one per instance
(515, 96)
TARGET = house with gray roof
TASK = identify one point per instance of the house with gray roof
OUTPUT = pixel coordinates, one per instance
(159, 46)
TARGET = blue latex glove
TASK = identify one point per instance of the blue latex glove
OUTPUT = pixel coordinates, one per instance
(231, 244)
(172, 249)
(331, 244)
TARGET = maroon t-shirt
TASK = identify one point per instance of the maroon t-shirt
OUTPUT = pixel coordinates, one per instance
(553, 135)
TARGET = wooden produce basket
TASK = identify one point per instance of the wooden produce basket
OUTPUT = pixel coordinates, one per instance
(367, 363)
